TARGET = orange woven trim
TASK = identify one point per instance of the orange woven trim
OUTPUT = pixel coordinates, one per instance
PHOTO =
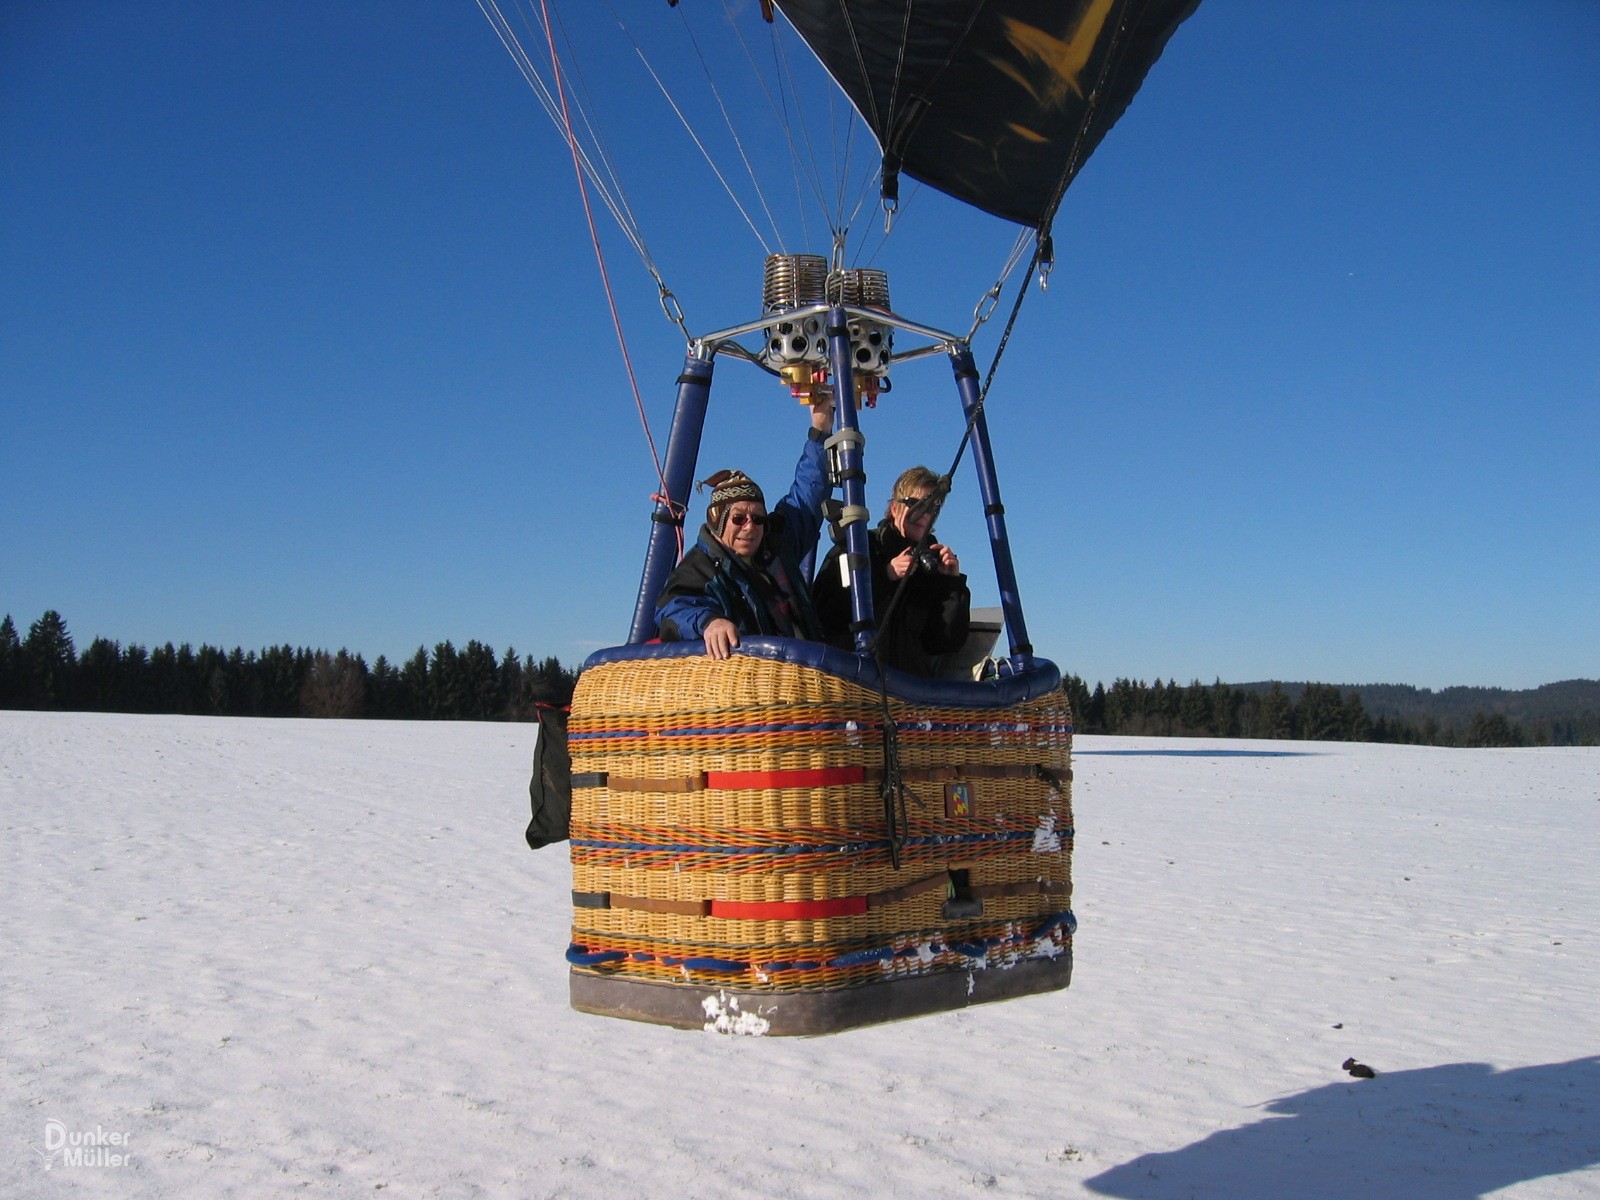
(957, 771)
(733, 781)
(761, 864)
(792, 910)
(688, 836)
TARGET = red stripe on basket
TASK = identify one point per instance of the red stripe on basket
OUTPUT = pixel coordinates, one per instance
(788, 910)
(817, 777)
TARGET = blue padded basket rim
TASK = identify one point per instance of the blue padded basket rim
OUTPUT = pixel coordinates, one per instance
(1039, 678)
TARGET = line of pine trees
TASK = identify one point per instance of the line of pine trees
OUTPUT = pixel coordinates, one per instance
(45, 671)
(1321, 713)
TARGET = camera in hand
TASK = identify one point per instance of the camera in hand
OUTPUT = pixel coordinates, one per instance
(928, 559)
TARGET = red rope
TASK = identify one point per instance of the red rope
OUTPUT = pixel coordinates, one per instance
(600, 258)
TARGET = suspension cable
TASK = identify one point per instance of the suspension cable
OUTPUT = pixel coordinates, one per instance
(689, 128)
(986, 306)
(842, 164)
(616, 203)
(863, 256)
(810, 172)
(861, 64)
(605, 276)
(780, 112)
(899, 72)
(733, 132)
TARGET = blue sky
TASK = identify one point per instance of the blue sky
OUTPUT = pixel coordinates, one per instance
(302, 340)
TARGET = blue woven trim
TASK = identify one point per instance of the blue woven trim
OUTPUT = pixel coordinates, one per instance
(860, 958)
(582, 956)
(971, 948)
(821, 727)
(1066, 918)
(1033, 677)
(697, 848)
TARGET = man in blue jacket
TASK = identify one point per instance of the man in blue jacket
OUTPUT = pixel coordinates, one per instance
(743, 575)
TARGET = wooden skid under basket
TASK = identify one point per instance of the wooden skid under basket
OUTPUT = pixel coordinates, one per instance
(729, 839)
(791, 1014)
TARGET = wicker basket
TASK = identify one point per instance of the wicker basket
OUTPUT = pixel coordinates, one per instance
(730, 846)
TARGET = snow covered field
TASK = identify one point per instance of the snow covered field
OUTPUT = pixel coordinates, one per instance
(271, 958)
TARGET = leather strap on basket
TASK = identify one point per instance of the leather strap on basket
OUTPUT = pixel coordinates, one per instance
(808, 910)
(682, 908)
(933, 883)
(685, 783)
(1028, 887)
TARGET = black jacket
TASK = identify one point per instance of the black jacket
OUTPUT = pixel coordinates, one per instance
(712, 581)
(930, 620)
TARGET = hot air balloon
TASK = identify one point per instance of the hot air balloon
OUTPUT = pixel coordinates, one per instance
(801, 838)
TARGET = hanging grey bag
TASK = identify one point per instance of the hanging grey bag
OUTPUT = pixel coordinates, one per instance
(550, 789)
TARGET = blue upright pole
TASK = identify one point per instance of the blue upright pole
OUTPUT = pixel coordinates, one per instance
(856, 558)
(683, 451)
(994, 512)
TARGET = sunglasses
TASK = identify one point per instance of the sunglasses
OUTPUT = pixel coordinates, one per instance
(740, 520)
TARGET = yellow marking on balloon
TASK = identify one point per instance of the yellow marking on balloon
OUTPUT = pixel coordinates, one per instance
(1022, 80)
(1025, 133)
(1063, 58)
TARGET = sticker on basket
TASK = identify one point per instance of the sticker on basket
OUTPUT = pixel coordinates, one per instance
(959, 800)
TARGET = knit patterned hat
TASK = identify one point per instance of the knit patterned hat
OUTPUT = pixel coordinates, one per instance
(727, 487)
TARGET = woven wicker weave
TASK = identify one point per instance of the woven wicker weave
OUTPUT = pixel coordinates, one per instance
(667, 836)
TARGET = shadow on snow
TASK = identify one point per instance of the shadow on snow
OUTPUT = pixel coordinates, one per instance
(1453, 1132)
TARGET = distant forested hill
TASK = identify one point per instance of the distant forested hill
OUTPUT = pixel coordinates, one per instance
(1570, 699)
